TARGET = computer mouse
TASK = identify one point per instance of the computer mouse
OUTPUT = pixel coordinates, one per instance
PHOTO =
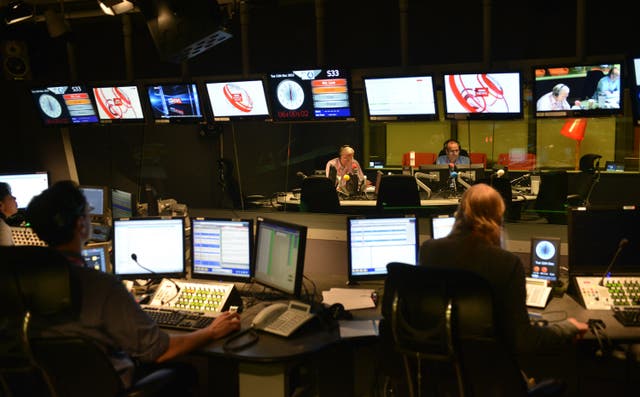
(338, 312)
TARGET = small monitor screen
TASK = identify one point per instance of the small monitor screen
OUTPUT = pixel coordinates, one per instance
(635, 91)
(118, 103)
(65, 105)
(483, 95)
(373, 242)
(221, 249)
(148, 247)
(96, 256)
(237, 100)
(578, 90)
(96, 198)
(25, 186)
(317, 94)
(441, 226)
(545, 253)
(280, 250)
(121, 204)
(175, 103)
(401, 98)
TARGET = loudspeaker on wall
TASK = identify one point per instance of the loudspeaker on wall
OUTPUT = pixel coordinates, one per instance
(15, 60)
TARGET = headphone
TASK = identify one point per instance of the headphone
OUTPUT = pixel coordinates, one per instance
(557, 88)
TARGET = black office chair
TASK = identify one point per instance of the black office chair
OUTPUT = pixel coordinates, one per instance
(552, 199)
(37, 291)
(397, 192)
(440, 324)
(318, 194)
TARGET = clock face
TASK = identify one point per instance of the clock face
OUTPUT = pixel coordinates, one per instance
(290, 94)
(545, 250)
(50, 106)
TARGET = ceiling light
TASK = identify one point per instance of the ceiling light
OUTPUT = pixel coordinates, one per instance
(17, 11)
(115, 7)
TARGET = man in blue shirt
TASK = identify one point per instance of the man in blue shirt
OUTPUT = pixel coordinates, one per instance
(452, 156)
(608, 89)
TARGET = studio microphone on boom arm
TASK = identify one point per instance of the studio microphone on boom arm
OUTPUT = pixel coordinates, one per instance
(623, 243)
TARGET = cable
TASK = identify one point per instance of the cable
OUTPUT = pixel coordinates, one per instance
(235, 155)
(230, 347)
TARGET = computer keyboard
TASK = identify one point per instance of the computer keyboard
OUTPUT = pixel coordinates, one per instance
(628, 316)
(25, 236)
(177, 319)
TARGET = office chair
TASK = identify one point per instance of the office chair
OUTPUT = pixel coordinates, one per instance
(552, 199)
(478, 158)
(396, 192)
(418, 159)
(318, 194)
(440, 324)
(37, 291)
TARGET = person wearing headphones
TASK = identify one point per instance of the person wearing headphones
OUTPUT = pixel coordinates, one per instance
(8, 208)
(345, 166)
(554, 100)
(452, 154)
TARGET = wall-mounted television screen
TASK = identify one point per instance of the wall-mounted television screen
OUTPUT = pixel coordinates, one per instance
(237, 100)
(483, 96)
(175, 103)
(578, 91)
(400, 98)
(118, 103)
(305, 95)
(64, 105)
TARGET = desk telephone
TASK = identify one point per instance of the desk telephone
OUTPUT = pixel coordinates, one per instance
(281, 318)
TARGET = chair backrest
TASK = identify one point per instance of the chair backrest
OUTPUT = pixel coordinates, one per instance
(478, 158)
(442, 322)
(551, 201)
(397, 192)
(318, 194)
(526, 162)
(419, 158)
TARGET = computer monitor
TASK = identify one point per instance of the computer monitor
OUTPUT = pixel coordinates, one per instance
(148, 248)
(280, 249)
(545, 257)
(118, 103)
(594, 236)
(97, 199)
(471, 173)
(374, 241)
(24, 186)
(96, 256)
(437, 176)
(238, 100)
(401, 98)
(441, 226)
(64, 105)
(121, 204)
(222, 249)
(175, 103)
(635, 89)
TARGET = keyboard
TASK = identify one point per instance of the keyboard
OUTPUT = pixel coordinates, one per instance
(25, 236)
(628, 316)
(177, 319)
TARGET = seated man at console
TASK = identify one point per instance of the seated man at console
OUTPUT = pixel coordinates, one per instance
(109, 315)
(341, 170)
(452, 154)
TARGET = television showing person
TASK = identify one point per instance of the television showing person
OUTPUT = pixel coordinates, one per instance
(608, 89)
(554, 100)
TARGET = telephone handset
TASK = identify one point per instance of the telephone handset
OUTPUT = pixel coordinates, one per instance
(281, 318)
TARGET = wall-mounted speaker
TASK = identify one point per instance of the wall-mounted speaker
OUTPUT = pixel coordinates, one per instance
(15, 60)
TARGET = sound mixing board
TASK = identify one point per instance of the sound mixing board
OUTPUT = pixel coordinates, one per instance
(25, 236)
(203, 297)
(621, 291)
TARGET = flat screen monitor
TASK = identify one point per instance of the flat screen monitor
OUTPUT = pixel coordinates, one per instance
(400, 98)
(64, 105)
(435, 176)
(441, 226)
(578, 90)
(148, 248)
(594, 236)
(471, 173)
(635, 91)
(222, 249)
(486, 96)
(545, 256)
(305, 95)
(175, 103)
(238, 100)
(118, 103)
(121, 204)
(97, 199)
(96, 256)
(375, 241)
(279, 257)
(25, 186)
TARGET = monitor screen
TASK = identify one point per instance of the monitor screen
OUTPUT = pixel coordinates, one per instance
(96, 198)
(441, 226)
(280, 250)
(435, 176)
(578, 91)
(400, 98)
(222, 249)
(118, 103)
(483, 96)
(121, 204)
(148, 247)
(594, 236)
(635, 90)
(237, 100)
(25, 186)
(175, 103)
(65, 105)
(471, 173)
(375, 241)
(96, 256)
(545, 256)
(303, 95)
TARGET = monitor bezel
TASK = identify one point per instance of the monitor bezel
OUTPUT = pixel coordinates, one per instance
(106, 200)
(174, 120)
(152, 276)
(489, 115)
(257, 117)
(143, 117)
(69, 122)
(355, 278)
(16, 174)
(635, 89)
(302, 231)
(223, 277)
(401, 116)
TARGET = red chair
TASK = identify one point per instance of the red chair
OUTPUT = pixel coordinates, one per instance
(478, 158)
(420, 158)
(523, 163)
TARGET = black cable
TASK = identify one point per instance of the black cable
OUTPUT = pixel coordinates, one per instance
(228, 345)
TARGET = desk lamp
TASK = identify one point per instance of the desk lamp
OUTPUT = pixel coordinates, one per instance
(574, 129)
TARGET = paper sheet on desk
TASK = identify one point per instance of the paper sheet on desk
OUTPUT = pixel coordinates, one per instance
(355, 328)
(351, 298)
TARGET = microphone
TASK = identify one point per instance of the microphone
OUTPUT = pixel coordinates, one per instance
(623, 243)
(135, 259)
(499, 173)
(520, 178)
(301, 174)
